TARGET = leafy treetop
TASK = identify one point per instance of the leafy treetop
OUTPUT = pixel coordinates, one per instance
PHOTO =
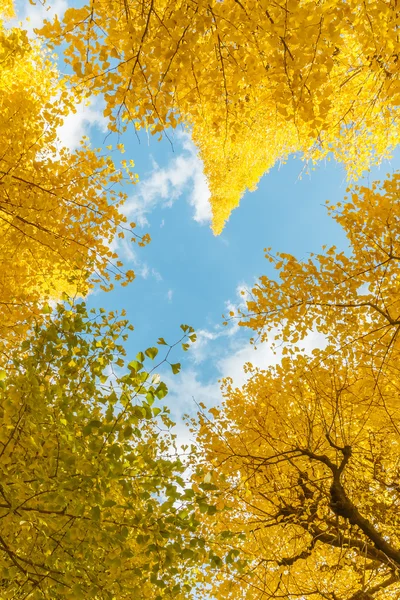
(352, 297)
(305, 461)
(253, 80)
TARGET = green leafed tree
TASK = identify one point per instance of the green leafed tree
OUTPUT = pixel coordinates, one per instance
(93, 503)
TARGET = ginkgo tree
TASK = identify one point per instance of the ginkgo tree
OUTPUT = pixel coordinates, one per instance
(304, 458)
(93, 497)
(59, 209)
(253, 80)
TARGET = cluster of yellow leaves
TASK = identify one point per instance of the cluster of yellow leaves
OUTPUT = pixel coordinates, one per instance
(253, 80)
(6, 9)
(59, 210)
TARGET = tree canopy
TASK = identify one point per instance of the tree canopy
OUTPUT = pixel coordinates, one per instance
(253, 81)
(305, 460)
(59, 210)
(352, 297)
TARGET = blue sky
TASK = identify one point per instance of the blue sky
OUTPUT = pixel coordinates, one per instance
(186, 274)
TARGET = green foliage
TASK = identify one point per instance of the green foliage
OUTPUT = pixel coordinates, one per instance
(92, 498)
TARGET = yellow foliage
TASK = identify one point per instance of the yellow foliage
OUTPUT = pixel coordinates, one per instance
(58, 209)
(6, 9)
(252, 80)
(305, 460)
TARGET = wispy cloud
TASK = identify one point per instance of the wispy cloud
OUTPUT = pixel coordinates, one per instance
(226, 351)
(218, 353)
(209, 340)
(186, 391)
(182, 175)
(129, 253)
(260, 356)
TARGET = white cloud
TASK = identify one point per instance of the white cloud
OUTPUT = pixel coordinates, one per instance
(232, 364)
(144, 271)
(201, 350)
(170, 293)
(187, 391)
(76, 124)
(33, 15)
(183, 174)
(157, 276)
(226, 349)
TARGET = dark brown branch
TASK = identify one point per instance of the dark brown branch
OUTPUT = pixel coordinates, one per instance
(342, 506)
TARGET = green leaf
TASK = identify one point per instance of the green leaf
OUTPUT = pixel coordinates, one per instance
(138, 412)
(156, 411)
(162, 342)
(140, 356)
(226, 535)
(88, 429)
(95, 513)
(176, 367)
(161, 391)
(215, 560)
(150, 398)
(128, 432)
(151, 352)
(134, 365)
(109, 503)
